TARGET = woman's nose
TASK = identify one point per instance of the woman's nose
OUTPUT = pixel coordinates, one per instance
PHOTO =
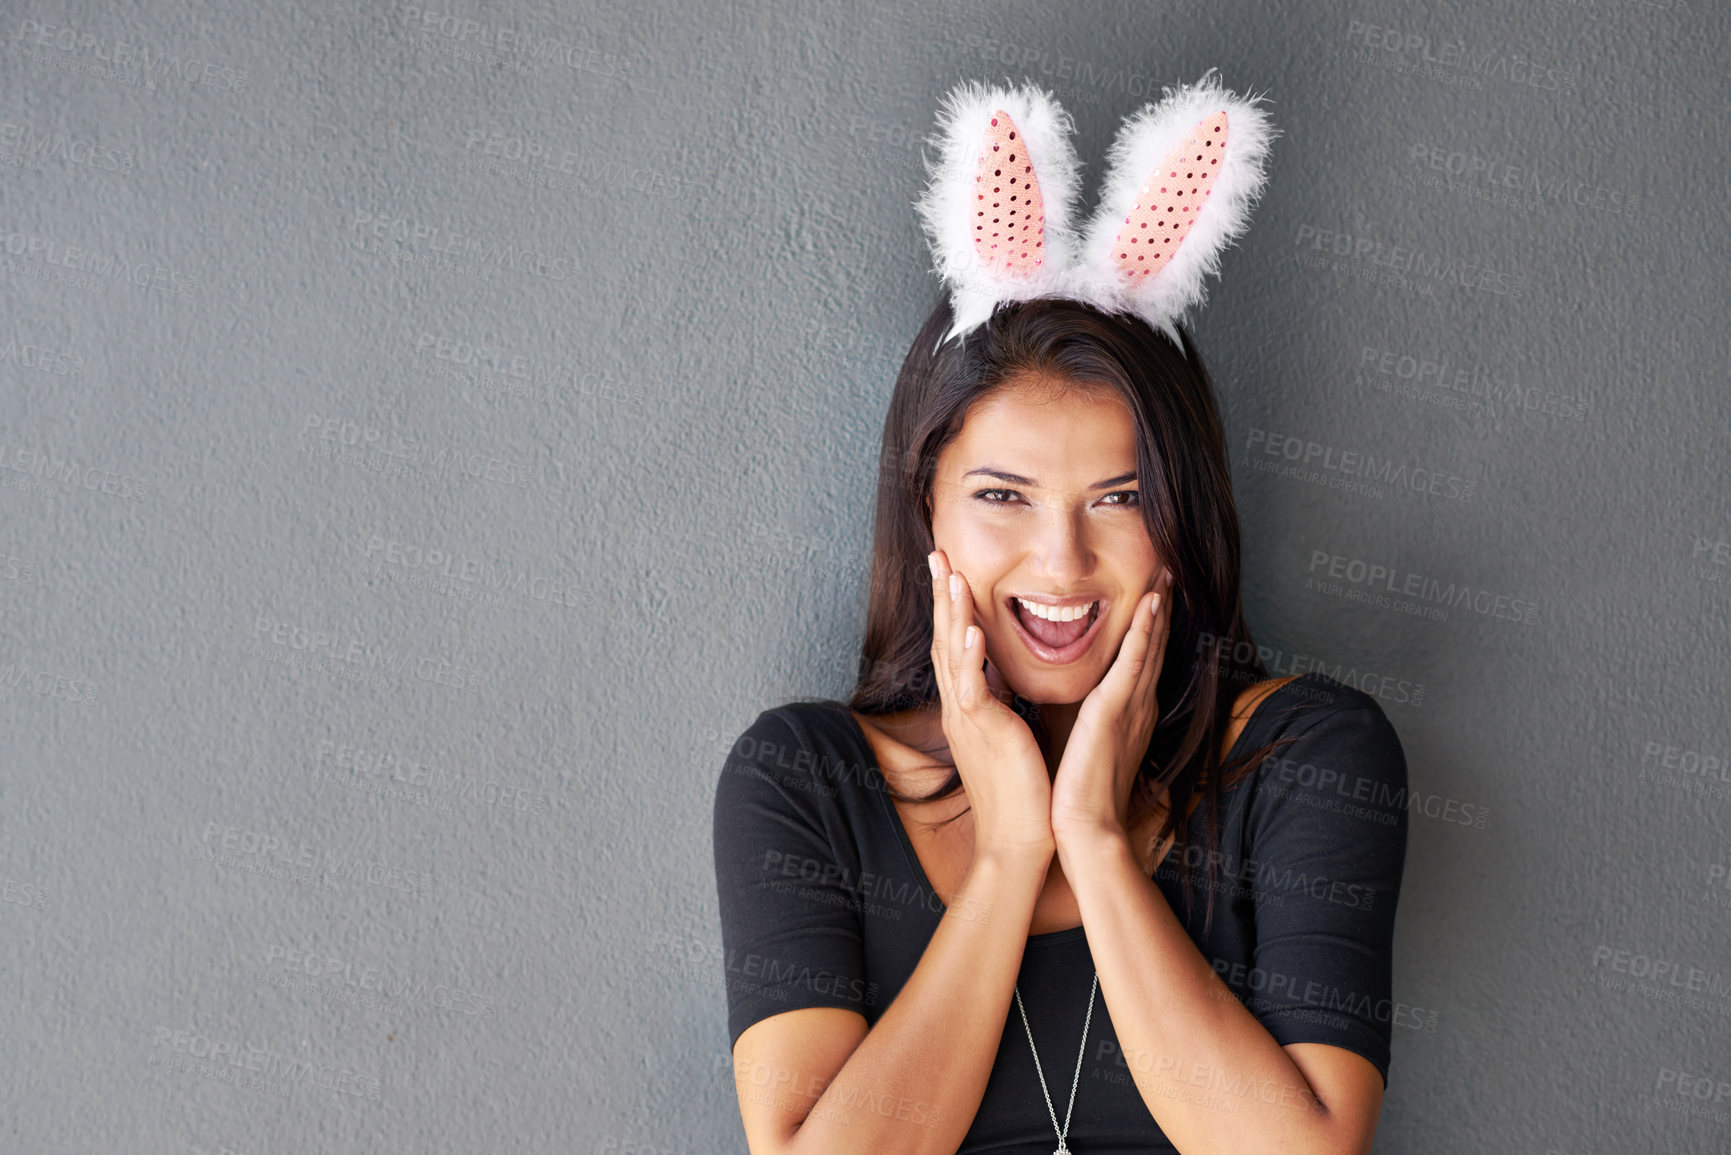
(1062, 547)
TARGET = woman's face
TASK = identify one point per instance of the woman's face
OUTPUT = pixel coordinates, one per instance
(1037, 498)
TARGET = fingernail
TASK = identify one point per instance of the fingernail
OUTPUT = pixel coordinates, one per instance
(955, 586)
(932, 560)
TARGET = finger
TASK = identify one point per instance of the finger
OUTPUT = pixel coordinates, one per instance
(1133, 655)
(943, 659)
(961, 618)
(1151, 648)
(1162, 628)
(940, 620)
(1125, 677)
(973, 668)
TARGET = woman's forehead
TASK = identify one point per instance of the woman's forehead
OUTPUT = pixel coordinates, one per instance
(1032, 425)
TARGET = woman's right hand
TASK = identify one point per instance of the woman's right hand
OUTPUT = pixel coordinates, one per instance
(996, 754)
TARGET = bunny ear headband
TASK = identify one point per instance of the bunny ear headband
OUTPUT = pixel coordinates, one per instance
(1180, 181)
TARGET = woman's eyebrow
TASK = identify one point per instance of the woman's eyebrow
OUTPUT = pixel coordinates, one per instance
(1018, 479)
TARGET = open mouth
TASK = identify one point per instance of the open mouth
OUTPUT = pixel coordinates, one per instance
(1056, 642)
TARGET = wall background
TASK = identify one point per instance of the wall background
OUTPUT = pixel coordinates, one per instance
(428, 436)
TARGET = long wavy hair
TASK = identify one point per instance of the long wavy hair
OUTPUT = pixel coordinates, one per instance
(1187, 506)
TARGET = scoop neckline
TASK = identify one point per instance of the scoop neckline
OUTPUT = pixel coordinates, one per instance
(931, 894)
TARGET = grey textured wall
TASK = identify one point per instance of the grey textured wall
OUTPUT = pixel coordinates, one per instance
(429, 435)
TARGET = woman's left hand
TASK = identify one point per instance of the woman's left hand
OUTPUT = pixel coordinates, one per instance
(1091, 790)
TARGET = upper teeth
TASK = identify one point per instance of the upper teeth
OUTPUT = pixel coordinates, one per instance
(1057, 613)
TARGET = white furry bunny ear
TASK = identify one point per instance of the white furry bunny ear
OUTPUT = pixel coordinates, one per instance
(999, 204)
(1181, 180)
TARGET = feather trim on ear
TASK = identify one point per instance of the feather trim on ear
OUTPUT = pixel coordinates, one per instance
(998, 207)
(1182, 176)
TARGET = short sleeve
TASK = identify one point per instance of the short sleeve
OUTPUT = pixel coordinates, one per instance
(1327, 836)
(790, 925)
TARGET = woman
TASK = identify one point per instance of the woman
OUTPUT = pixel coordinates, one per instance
(961, 911)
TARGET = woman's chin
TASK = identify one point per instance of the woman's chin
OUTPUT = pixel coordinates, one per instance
(1042, 687)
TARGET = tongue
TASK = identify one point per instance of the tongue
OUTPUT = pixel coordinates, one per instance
(1055, 634)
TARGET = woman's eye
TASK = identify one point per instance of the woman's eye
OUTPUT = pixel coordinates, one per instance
(991, 497)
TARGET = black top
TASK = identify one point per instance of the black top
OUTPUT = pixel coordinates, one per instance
(824, 904)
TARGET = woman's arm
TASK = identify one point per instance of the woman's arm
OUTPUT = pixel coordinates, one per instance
(818, 1081)
(1213, 1077)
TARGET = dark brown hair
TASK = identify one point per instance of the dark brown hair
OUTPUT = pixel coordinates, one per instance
(1186, 502)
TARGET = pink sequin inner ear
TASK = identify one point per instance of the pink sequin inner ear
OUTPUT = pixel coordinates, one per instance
(1167, 205)
(1009, 214)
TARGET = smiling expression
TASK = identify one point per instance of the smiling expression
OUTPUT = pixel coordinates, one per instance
(1037, 498)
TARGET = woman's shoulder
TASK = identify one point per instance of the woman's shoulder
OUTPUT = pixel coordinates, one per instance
(901, 752)
(810, 723)
(808, 745)
(1331, 733)
(1306, 700)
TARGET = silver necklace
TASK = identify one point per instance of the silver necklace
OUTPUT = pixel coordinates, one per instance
(1063, 1147)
